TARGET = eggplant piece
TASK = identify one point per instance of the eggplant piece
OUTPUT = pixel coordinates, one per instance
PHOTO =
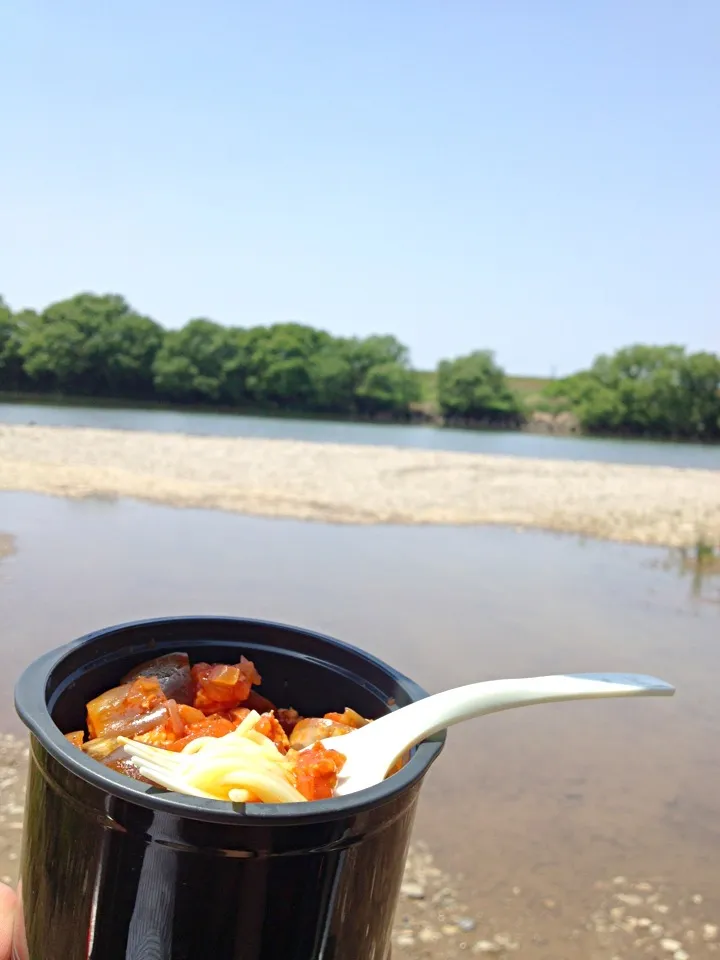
(110, 753)
(101, 747)
(256, 701)
(116, 712)
(172, 671)
(120, 761)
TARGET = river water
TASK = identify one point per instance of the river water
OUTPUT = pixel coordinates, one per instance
(536, 808)
(507, 443)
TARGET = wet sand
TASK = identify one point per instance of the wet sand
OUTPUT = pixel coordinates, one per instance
(365, 485)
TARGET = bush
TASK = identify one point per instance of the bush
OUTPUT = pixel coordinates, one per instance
(647, 391)
(475, 388)
(99, 346)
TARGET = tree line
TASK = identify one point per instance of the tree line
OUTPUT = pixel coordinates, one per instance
(99, 346)
(646, 391)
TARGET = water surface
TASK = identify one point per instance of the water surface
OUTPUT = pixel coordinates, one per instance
(506, 443)
(533, 806)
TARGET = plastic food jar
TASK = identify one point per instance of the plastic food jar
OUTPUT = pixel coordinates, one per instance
(115, 869)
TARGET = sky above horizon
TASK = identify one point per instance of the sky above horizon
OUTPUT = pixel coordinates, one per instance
(540, 179)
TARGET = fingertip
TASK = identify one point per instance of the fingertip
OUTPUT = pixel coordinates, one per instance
(8, 906)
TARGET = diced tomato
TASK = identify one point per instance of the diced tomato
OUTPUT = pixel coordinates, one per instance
(248, 668)
(190, 715)
(224, 675)
(212, 726)
(270, 727)
(237, 715)
(144, 694)
(316, 772)
(220, 687)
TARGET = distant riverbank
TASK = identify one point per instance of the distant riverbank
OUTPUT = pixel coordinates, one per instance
(515, 443)
(340, 483)
(425, 413)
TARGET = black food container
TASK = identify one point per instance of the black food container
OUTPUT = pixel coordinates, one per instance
(114, 869)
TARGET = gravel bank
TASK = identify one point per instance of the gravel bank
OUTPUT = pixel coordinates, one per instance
(362, 484)
(13, 771)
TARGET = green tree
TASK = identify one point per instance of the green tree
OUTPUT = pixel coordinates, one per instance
(657, 391)
(91, 345)
(200, 364)
(130, 344)
(280, 360)
(474, 387)
(236, 366)
(333, 379)
(370, 351)
(383, 382)
(700, 389)
(387, 388)
(12, 375)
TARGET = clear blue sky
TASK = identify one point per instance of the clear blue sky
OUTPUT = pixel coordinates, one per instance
(541, 177)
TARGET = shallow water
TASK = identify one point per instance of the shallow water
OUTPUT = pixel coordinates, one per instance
(506, 443)
(546, 801)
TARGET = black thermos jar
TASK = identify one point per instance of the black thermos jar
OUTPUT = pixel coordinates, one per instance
(113, 869)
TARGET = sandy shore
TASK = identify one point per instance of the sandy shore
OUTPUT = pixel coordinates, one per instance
(362, 484)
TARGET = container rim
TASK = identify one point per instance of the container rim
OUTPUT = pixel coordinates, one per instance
(31, 704)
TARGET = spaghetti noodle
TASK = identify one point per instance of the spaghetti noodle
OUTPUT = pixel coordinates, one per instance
(243, 766)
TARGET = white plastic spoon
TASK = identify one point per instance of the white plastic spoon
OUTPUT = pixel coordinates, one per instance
(372, 750)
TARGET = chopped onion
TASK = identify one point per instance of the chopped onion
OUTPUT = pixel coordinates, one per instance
(175, 719)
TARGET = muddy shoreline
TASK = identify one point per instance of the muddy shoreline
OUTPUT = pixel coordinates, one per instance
(365, 485)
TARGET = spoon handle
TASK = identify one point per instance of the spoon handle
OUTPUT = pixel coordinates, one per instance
(411, 724)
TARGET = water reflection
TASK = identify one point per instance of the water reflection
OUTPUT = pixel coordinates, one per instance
(700, 566)
(7, 545)
(547, 800)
